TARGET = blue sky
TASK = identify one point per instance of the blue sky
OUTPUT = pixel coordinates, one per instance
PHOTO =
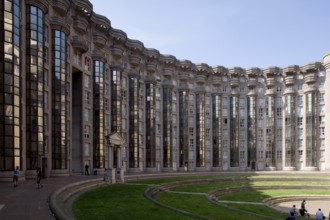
(244, 33)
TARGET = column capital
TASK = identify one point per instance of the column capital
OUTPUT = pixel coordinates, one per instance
(326, 60)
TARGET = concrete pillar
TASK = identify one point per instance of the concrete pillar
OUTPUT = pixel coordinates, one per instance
(326, 64)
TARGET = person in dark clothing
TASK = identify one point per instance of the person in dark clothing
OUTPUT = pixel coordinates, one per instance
(39, 178)
(291, 217)
(87, 170)
(15, 177)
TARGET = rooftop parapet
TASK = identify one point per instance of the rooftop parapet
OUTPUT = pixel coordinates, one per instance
(118, 35)
(83, 6)
(101, 22)
(135, 45)
(151, 53)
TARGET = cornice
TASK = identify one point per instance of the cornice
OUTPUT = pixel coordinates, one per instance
(42, 4)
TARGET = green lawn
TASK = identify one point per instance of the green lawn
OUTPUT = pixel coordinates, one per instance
(127, 201)
(120, 201)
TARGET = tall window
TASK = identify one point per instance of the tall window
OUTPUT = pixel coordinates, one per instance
(59, 154)
(290, 127)
(150, 124)
(311, 129)
(10, 96)
(183, 125)
(134, 89)
(217, 134)
(167, 127)
(200, 130)
(99, 115)
(251, 128)
(116, 101)
(270, 131)
(234, 131)
(35, 87)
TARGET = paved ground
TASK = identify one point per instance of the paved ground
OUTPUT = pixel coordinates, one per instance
(27, 202)
(311, 206)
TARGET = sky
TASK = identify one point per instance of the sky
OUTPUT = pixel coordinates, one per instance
(243, 33)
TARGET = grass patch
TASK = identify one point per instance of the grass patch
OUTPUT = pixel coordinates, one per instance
(126, 201)
(200, 205)
(120, 202)
(259, 195)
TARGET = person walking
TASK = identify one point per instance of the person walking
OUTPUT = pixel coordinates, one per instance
(87, 170)
(39, 178)
(15, 177)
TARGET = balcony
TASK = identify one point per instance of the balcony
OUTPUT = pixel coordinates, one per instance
(310, 78)
(216, 80)
(270, 81)
(134, 60)
(151, 67)
(99, 39)
(289, 90)
(80, 24)
(61, 6)
(79, 44)
(117, 51)
(184, 76)
(201, 78)
(168, 72)
(289, 80)
(234, 82)
(252, 82)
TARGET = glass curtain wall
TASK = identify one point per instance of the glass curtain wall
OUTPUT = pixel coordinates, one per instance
(98, 116)
(167, 127)
(270, 131)
(290, 131)
(217, 131)
(252, 132)
(34, 86)
(150, 125)
(116, 102)
(200, 130)
(234, 131)
(134, 89)
(59, 145)
(10, 95)
(183, 125)
(311, 130)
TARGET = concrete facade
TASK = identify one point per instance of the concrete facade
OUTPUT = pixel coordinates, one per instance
(70, 81)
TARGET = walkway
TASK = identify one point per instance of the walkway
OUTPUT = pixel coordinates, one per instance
(27, 202)
(311, 205)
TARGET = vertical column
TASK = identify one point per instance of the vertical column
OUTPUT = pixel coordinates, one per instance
(10, 86)
(326, 64)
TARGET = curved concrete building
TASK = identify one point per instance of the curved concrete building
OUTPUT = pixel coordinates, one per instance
(75, 91)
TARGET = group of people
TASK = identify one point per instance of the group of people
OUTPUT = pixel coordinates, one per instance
(38, 177)
(303, 212)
